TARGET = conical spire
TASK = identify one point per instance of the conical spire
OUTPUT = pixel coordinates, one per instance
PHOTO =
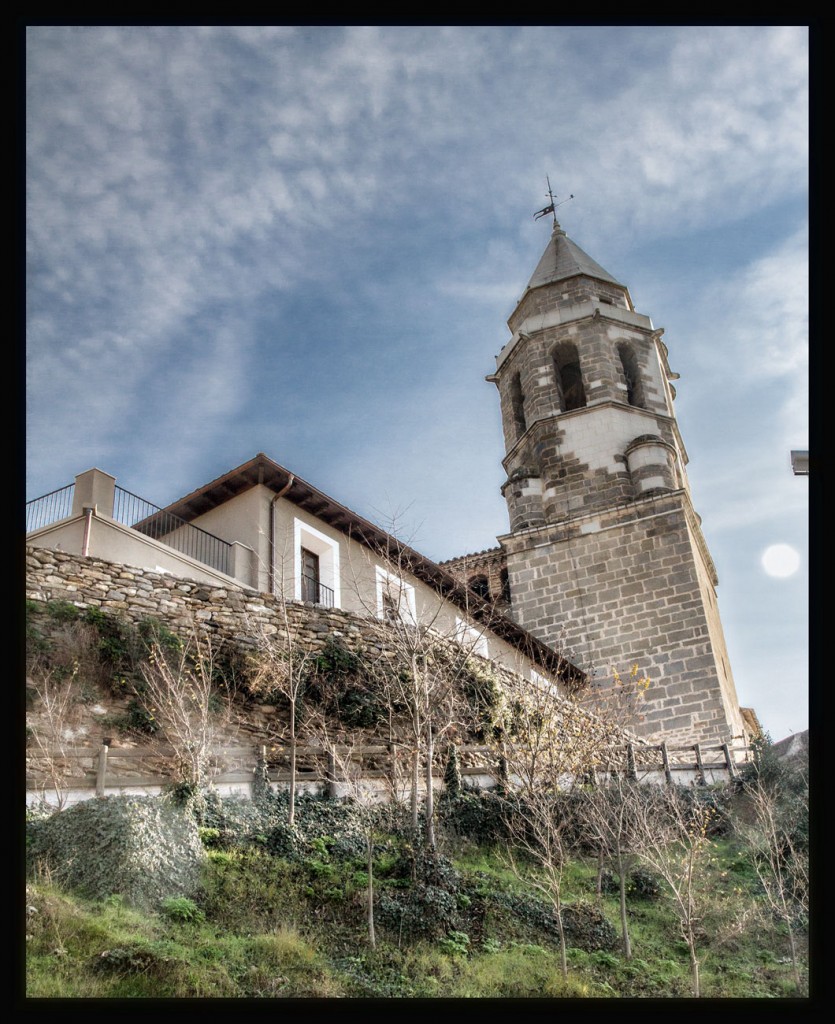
(563, 259)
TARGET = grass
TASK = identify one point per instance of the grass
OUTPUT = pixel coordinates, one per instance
(265, 927)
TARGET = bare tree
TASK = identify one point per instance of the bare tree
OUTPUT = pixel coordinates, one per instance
(55, 693)
(546, 752)
(423, 686)
(280, 668)
(552, 742)
(61, 672)
(607, 811)
(191, 704)
(775, 828)
(345, 773)
(424, 644)
(671, 826)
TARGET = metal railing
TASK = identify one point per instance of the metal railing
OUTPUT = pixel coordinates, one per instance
(316, 592)
(49, 508)
(171, 530)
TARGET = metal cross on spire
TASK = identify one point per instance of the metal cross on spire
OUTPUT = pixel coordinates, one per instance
(552, 207)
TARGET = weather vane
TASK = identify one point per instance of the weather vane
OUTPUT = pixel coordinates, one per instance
(552, 207)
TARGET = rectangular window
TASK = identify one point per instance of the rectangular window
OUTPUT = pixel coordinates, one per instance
(310, 576)
(471, 638)
(391, 611)
(395, 598)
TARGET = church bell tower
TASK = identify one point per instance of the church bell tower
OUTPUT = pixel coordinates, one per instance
(605, 555)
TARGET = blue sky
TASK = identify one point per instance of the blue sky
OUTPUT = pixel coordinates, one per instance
(307, 242)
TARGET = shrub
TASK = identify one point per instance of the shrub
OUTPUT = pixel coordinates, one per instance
(585, 925)
(153, 632)
(641, 884)
(137, 718)
(137, 959)
(62, 611)
(425, 911)
(182, 910)
(480, 816)
(587, 928)
(484, 694)
(336, 684)
(717, 800)
(210, 837)
(644, 885)
(455, 943)
(430, 907)
(117, 641)
(139, 847)
(453, 784)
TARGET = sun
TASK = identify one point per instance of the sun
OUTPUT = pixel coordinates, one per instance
(780, 560)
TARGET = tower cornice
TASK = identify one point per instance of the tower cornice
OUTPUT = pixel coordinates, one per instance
(563, 315)
(619, 515)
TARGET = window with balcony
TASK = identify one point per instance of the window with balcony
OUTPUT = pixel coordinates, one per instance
(316, 566)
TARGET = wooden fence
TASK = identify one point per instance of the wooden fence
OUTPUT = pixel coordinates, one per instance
(112, 768)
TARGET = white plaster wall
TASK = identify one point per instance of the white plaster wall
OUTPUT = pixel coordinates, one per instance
(245, 519)
(66, 535)
(114, 542)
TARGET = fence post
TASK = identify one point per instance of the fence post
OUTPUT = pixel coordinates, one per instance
(101, 774)
(665, 760)
(728, 761)
(331, 790)
(260, 776)
(631, 772)
(698, 749)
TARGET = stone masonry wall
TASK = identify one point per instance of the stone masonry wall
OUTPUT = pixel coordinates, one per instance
(136, 594)
(490, 563)
(626, 588)
(570, 291)
(579, 456)
(231, 613)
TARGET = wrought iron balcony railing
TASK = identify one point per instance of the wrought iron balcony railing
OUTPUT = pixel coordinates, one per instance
(171, 530)
(316, 592)
(49, 508)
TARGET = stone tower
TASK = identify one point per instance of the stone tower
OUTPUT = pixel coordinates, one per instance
(605, 554)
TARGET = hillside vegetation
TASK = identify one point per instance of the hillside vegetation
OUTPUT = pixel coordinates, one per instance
(281, 912)
(561, 882)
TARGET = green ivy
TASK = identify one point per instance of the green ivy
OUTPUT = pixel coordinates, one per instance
(139, 847)
(152, 633)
